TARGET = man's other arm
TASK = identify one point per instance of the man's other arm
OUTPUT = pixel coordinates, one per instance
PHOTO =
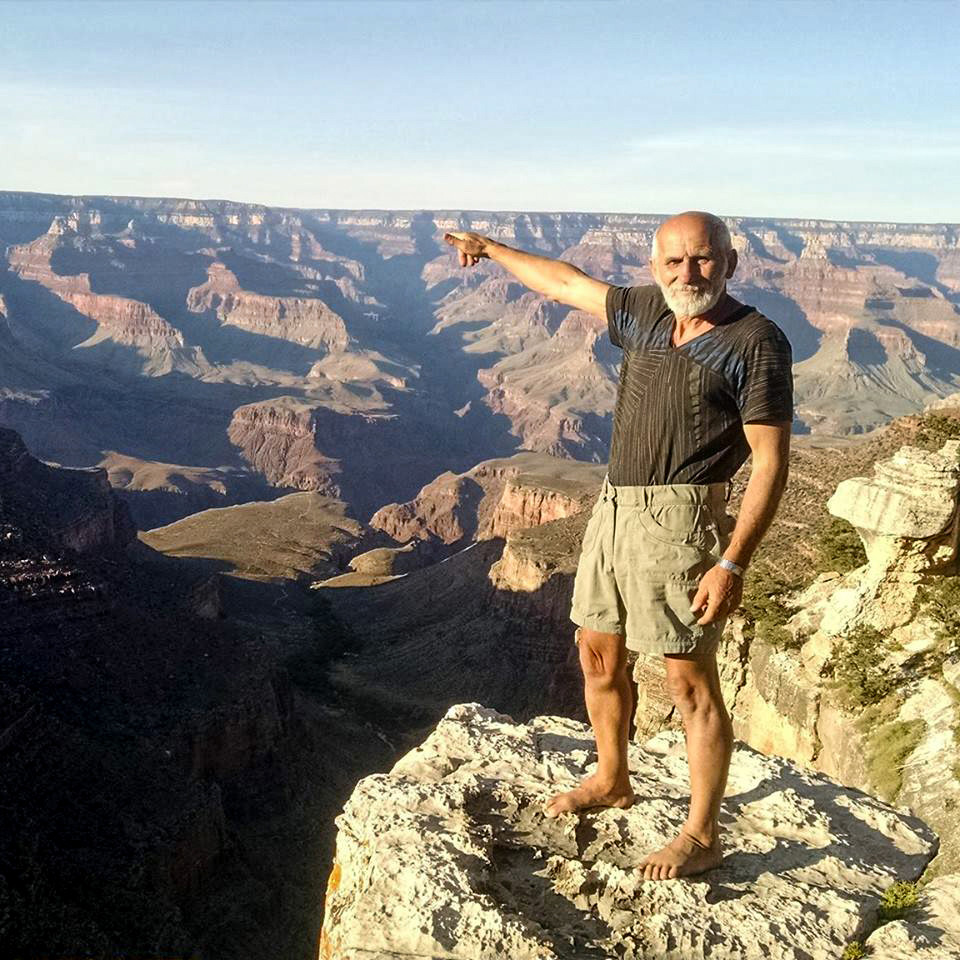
(770, 446)
(721, 591)
(554, 279)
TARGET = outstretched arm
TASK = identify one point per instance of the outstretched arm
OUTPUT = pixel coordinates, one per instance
(555, 279)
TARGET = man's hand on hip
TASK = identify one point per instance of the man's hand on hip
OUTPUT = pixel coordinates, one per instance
(720, 591)
(470, 246)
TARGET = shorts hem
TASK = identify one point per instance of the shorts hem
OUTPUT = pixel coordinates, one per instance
(592, 622)
(672, 644)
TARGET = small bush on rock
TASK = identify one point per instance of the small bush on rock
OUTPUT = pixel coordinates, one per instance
(861, 669)
(935, 430)
(763, 609)
(839, 547)
(897, 900)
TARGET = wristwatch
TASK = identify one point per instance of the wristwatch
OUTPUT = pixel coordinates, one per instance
(731, 566)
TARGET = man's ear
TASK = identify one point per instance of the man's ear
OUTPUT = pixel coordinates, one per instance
(653, 269)
(732, 261)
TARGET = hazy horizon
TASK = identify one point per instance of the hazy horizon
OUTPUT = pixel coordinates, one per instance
(490, 210)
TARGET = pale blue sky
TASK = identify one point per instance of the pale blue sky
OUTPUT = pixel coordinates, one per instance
(794, 109)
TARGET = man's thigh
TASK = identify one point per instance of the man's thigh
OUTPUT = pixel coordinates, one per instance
(596, 604)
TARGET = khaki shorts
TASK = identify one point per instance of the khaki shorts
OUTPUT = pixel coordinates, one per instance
(644, 551)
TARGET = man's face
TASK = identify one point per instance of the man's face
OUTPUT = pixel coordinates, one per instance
(689, 268)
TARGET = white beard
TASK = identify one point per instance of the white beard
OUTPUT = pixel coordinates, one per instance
(688, 301)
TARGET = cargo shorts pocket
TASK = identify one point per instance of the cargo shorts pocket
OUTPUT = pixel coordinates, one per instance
(678, 523)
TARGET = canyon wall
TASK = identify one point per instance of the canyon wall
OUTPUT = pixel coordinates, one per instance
(396, 364)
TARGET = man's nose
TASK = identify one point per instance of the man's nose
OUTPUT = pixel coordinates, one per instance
(689, 271)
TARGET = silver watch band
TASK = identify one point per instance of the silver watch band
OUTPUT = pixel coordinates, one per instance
(731, 566)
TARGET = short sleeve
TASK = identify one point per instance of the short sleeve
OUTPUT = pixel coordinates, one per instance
(766, 391)
(631, 310)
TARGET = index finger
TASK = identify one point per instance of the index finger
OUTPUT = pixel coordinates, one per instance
(710, 614)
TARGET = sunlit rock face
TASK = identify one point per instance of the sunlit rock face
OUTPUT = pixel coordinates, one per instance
(450, 853)
(906, 513)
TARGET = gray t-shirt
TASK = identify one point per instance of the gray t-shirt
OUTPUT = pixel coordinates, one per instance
(680, 410)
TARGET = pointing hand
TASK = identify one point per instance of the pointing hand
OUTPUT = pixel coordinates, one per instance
(471, 247)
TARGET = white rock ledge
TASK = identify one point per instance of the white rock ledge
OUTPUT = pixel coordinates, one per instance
(450, 855)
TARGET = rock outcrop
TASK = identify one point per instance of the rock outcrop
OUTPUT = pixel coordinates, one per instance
(907, 514)
(307, 321)
(493, 499)
(65, 509)
(450, 854)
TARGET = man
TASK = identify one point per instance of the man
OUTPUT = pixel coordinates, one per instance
(705, 382)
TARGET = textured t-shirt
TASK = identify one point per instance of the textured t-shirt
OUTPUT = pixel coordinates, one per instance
(680, 410)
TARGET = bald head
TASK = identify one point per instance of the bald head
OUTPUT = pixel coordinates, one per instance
(691, 260)
(692, 222)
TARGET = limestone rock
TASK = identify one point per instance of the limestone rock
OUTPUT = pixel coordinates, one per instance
(450, 855)
(911, 496)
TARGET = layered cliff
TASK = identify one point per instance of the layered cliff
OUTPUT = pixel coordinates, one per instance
(492, 499)
(365, 317)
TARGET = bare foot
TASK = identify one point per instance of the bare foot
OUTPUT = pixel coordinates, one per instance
(590, 793)
(682, 857)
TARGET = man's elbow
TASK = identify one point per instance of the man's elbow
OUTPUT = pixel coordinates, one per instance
(773, 465)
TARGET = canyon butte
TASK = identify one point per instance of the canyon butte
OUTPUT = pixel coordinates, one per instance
(287, 500)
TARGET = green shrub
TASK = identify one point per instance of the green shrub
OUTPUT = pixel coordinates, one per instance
(853, 951)
(898, 899)
(860, 668)
(888, 747)
(764, 610)
(940, 599)
(839, 547)
(935, 430)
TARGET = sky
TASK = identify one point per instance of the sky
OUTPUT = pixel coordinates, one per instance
(835, 110)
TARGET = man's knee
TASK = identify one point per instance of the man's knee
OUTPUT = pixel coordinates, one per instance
(603, 656)
(691, 686)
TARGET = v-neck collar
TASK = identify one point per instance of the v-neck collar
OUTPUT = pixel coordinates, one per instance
(671, 319)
